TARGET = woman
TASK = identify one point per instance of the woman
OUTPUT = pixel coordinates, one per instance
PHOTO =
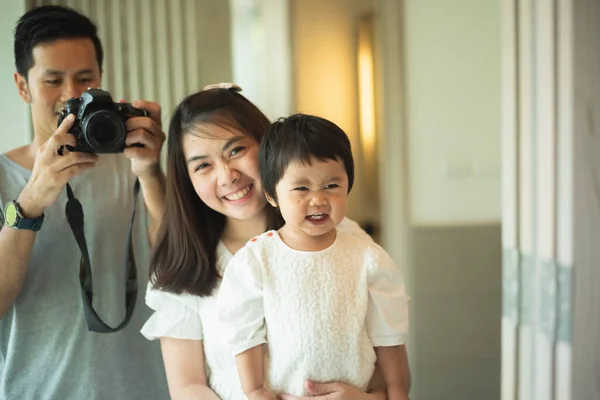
(214, 205)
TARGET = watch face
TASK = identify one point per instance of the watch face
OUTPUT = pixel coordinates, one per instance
(10, 214)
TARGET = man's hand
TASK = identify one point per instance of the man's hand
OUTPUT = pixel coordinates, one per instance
(147, 132)
(52, 171)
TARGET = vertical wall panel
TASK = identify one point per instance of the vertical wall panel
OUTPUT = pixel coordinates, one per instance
(118, 56)
(133, 49)
(564, 249)
(163, 47)
(558, 203)
(148, 67)
(177, 43)
(104, 32)
(526, 199)
(545, 198)
(510, 203)
(192, 61)
(586, 203)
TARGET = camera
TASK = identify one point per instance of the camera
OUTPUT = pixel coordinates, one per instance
(99, 125)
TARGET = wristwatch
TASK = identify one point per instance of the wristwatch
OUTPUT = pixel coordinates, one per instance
(13, 216)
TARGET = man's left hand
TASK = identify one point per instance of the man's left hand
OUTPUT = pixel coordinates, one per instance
(147, 132)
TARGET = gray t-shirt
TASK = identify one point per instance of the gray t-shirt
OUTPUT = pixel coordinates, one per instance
(46, 350)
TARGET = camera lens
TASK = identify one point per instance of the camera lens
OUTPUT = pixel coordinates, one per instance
(104, 131)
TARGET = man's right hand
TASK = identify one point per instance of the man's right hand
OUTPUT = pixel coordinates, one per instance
(52, 171)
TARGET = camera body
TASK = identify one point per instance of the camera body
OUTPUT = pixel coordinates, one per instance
(99, 125)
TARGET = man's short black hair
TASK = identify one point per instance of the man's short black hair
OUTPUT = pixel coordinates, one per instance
(301, 138)
(49, 23)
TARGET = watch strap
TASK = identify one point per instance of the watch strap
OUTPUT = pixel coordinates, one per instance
(32, 224)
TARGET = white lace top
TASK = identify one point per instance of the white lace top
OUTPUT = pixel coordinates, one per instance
(320, 313)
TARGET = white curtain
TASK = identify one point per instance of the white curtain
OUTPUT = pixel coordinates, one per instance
(159, 50)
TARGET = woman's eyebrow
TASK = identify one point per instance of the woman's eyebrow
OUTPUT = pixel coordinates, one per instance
(233, 141)
(195, 158)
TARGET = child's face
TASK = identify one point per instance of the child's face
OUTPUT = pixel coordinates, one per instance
(312, 198)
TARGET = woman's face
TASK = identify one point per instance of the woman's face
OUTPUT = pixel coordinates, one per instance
(223, 168)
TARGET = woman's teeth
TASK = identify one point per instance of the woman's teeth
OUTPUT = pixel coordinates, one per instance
(239, 194)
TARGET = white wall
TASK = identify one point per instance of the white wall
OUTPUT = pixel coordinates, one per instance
(14, 113)
(261, 54)
(453, 107)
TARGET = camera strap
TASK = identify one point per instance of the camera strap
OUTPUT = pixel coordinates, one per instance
(74, 213)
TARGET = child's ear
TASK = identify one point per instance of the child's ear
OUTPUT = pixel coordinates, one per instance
(271, 200)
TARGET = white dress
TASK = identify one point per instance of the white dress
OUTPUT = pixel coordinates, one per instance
(320, 313)
(187, 316)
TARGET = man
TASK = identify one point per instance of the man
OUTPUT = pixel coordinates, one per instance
(46, 349)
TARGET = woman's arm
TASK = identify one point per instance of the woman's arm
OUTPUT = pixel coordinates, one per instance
(393, 364)
(184, 366)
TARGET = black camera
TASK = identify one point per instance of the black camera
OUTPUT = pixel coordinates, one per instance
(99, 125)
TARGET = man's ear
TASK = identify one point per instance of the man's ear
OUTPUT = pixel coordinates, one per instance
(22, 87)
(271, 200)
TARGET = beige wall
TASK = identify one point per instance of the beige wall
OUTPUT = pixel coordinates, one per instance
(325, 76)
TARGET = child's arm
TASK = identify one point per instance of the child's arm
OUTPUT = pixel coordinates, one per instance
(251, 370)
(240, 310)
(392, 361)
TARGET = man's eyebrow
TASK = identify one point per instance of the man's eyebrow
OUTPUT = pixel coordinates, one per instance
(53, 72)
(61, 73)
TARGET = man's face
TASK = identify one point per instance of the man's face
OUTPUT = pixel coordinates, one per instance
(62, 69)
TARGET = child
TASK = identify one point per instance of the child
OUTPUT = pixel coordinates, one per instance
(328, 304)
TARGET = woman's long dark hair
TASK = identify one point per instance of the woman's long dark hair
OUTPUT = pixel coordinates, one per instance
(184, 258)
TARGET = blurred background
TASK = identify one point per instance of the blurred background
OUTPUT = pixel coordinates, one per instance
(416, 86)
(474, 136)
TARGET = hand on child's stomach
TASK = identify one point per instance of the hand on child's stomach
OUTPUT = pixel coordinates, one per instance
(328, 391)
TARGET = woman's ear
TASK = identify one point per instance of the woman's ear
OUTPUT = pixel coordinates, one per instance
(271, 200)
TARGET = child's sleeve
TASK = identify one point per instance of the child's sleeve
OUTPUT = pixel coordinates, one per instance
(240, 303)
(387, 312)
